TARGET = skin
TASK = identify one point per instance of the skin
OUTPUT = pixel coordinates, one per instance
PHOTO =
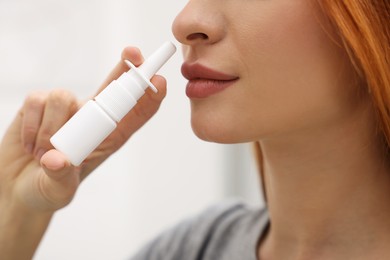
(326, 172)
(326, 175)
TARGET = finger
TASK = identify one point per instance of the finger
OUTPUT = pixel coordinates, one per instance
(146, 107)
(130, 53)
(61, 180)
(161, 84)
(32, 112)
(148, 104)
(11, 148)
(56, 165)
(60, 106)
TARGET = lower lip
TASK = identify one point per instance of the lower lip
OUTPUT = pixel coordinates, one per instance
(202, 88)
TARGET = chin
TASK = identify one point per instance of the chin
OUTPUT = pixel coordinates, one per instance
(213, 121)
(216, 133)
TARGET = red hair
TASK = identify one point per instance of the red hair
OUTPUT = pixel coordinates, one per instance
(364, 28)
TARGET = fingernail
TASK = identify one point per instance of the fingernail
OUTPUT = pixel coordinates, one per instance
(54, 165)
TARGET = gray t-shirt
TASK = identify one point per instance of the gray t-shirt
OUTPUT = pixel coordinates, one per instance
(227, 231)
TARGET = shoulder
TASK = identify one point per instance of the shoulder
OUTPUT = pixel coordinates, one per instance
(195, 236)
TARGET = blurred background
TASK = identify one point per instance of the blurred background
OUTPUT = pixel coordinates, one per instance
(164, 173)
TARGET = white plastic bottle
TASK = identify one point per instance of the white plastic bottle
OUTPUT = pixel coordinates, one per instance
(99, 117)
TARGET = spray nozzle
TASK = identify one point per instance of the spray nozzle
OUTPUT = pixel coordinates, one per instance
(153, 64)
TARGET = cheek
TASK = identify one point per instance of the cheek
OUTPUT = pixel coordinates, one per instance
(297, 76)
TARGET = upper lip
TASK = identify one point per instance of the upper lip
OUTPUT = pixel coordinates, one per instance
(198, 71)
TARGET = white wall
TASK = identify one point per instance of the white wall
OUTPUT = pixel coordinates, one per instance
(164, 173)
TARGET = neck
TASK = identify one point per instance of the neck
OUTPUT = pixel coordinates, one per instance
(327, 192)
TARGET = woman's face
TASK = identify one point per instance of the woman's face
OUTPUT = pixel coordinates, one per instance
(261, 68)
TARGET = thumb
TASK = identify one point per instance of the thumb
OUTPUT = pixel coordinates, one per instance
(61, 179)
(56, 165)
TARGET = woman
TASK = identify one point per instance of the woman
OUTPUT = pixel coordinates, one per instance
(308, 81)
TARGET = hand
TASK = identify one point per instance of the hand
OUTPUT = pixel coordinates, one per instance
(37, 177)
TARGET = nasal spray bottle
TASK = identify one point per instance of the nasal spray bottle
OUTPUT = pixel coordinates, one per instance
(99, 117)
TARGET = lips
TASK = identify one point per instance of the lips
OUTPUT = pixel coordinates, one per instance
(204, 82)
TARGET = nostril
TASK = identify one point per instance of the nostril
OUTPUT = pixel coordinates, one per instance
(195, 36)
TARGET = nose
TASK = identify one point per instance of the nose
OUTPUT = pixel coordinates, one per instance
(199, 23)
